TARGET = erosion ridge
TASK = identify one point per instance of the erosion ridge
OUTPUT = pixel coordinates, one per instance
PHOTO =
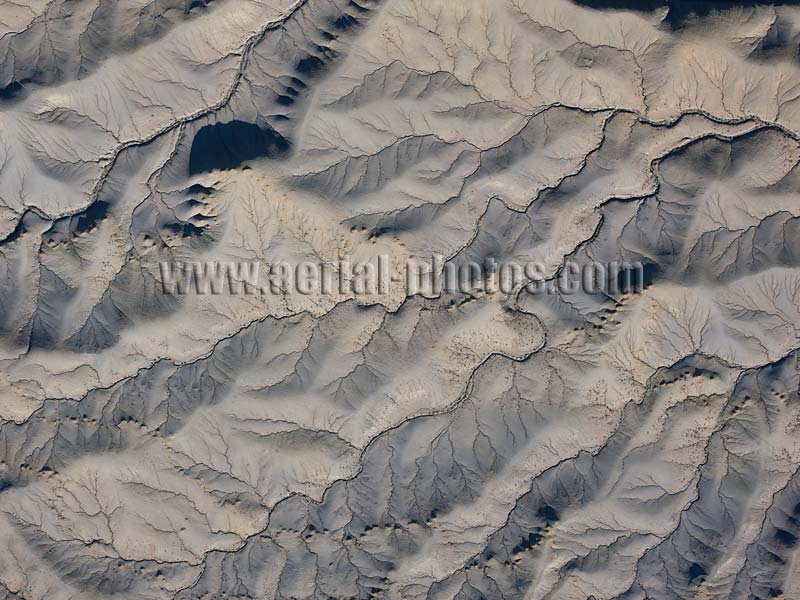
(438, 445)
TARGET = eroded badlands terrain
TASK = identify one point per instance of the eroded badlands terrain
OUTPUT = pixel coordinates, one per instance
(439, 446)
